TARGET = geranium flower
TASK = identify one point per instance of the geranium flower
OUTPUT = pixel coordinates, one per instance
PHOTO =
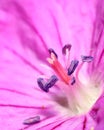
(51, 62)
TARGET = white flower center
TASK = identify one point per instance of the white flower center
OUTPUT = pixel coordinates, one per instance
(74, 97)
(78, 98)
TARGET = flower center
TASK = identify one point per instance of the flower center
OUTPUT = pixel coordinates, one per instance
(80, 97)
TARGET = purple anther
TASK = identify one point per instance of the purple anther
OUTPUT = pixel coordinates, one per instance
(32, 120)
(51, 82)
(52, 51)
(73, 66)
(46, 85)
(67, 46)
(41, 84)
(87, 58)
(73, 80)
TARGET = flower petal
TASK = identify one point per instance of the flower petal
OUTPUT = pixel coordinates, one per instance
(39, 27)
(97, 45)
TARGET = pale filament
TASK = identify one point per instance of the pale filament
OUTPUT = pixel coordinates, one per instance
(67, 58)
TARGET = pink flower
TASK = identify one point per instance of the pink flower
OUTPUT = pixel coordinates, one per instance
(41, 87)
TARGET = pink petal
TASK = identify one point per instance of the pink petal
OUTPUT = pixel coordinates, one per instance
(27, 30)
(97, 45)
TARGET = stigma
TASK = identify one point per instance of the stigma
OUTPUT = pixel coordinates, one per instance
(58, 68)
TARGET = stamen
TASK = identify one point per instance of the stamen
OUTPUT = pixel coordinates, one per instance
(46, 85)
(52, 51)
(32, 120)
(41, 84)
(73, 80)
(72, 67)
(51, 82)
(66, 48)
(87, 58)
(66, 53)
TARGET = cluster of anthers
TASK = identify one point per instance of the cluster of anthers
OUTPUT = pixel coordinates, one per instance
(64, 75)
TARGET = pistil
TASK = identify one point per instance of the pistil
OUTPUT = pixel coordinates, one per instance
(58, 68)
